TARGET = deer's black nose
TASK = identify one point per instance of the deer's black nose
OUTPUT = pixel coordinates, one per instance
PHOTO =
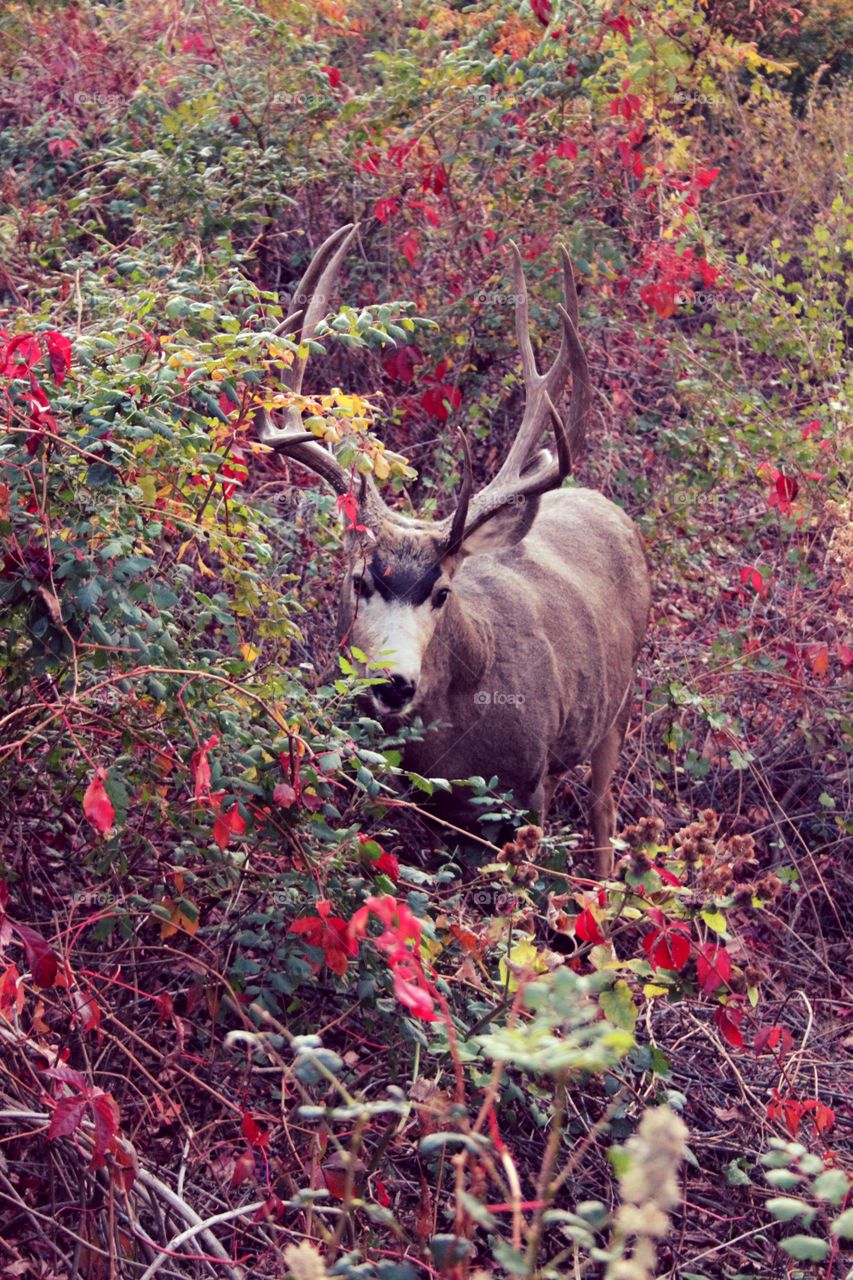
(397, 691)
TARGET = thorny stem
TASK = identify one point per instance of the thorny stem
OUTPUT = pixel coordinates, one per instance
(545, 1188)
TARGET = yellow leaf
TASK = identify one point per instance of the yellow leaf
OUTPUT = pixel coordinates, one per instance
(249, 653)
(651, 990)
(179, 920)
(208, 573)
(148, 485)
(523, 955)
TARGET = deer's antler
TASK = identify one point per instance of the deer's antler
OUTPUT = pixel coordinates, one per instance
(311, 299)
(524, 476)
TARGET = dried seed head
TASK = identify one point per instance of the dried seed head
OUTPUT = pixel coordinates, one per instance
(512, 852)
(743, 895)
(529, 837)
(769, 886)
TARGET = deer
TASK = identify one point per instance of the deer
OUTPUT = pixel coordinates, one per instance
(512, 626)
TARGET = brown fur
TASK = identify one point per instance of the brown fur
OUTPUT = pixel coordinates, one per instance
(530, 667)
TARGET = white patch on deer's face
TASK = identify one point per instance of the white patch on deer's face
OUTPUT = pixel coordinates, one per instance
(395, 636)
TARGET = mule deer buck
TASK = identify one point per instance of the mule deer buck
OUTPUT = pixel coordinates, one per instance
(512, 625)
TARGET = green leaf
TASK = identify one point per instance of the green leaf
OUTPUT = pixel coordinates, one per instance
(831, 1185)
(448, 1250)
(805, 1248)
(619, 1006)
(843, 1225)
(786, 1208)
(784, 1179)
(715, 920)
(736, 1175)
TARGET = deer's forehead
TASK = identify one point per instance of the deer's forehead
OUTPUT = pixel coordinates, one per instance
(405, 571)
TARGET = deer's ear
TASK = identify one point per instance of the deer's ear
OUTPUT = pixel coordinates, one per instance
(505, 528)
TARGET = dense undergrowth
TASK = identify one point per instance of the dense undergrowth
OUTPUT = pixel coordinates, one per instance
(251, 1021)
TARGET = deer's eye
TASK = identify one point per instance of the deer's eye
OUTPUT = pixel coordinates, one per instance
(440, 597)
(361, 586)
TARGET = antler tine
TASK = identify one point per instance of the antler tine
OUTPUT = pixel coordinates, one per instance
(581, 388)
(522, 475)
(313, 291)
(460, 515)
(536, 384)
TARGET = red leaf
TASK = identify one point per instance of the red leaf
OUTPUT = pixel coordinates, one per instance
(59, 351)
(437, 401)
(26, 349)
(401, 364)
(96, 804)
(244, 1168)
(67, 1115)
(705, 177)
(728, 1020)
(774, 1039)
(542, 9)
(586, 927)
(284, 795)
(388, 863)
(336, 1181)
(824, 1117)
(227, 824)
(668, 877)
(787, 1110)
(105, 1114)
(818, 657)
(412, 995)
(165, 1007)
(11, 991)
(713, 968)
(755, 579)
(334, 77)
(87, 1009)
(567, 150)
(386, 208)
(200, 770)
(668, 947)
(61, 146)
(348, 507)
(330, 935)
(252, 1131)
(382, 1196)
(42, 961)
(409, 245)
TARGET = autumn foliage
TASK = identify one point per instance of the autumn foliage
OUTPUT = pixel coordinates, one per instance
(251, 1020)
